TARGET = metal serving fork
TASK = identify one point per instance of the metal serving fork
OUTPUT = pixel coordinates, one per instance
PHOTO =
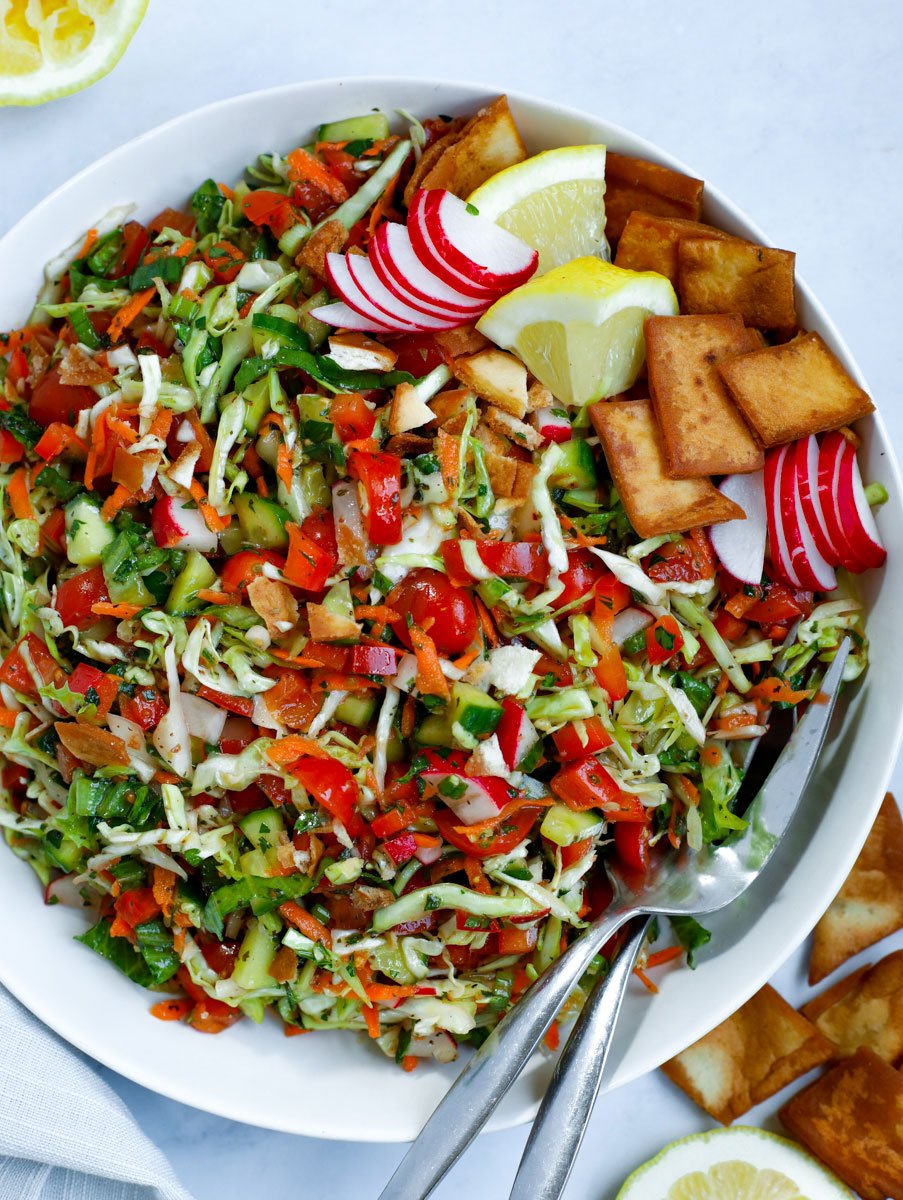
(686, 883)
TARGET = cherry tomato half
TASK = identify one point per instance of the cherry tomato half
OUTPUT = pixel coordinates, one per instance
(52, 400)
(433, 602)
(75, 597)
(511, 832)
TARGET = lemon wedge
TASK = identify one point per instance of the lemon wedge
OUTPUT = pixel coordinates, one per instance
(49, 48)
(579, 328)
(554, 201)
(740, 1163)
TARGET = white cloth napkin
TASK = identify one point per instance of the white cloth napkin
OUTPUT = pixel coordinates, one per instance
(64, 1134)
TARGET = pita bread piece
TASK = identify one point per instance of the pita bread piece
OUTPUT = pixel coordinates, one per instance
(865, 1010)
(786, 392)
(869, 906)
(649, 242)
(702, 430)
(728, 275)
(635, 184)
(852, 1119)
(655, 503)
(488, 143)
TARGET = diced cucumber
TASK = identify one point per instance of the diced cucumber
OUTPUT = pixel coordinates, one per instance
(346, 870)
(434, 730)
(476, 712)
(123, 584)
(255, 957)
(372, 127)
(262, 522)
(314, 487)
(357, 710)
(195, 575)
(87, 533)
(563, 826)
(313, 408)
(254, 862)
(257, 403)
(576, 467)
(231, 540)
(395, 749)
(315, 330)
(262, 827)
(67, 855)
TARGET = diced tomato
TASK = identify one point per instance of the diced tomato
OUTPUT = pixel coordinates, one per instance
(433, 603)
(388, 824)
(137, 906)
(380, 475)
(780, 604)
(224, 260)
(332, 786)
(320, 528)
(663, 640)
(333, 657)
(511, 560)
(86, 679)
(568, 741)
(584, 573)
(11, 450)
(76, 595)
(730, 628)
(291, 701)
(573, 853)
(53, 531)
(341, 164)
(308, 565)
(586, 784)
(146, 707)
(14, 778)
(505, 838)
(685, 561)
(171, 218)
(51, 400)
(219, 956)
(240, 705)
(351, 417)
(135, 241)
(238, 732)
(418, 354)
(632, 844)
(150, 341)
(208, 1015)
(275, 790)
(249, 799)
(374, 660)
(517, 941)
(273, 209)
(16, 674)
(245, 566)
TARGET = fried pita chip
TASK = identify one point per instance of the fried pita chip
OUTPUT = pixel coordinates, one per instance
(450, 408)
(524, 481)
(869, 906)
(764, 1046)
(702, 430)
(488, 143)
(510, 427)
(98, 747)
(466, 339)
(408, 411)
(852, 1119)
(654, 501)
(635, 183)
(496, 376)
(865, 1009)
(502, 474)
(274, 601)
(450, 134)
(328, 239)
(728, 275)
(786, 392)
(649, 242)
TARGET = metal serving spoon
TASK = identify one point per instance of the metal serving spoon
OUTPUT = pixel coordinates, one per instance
(686, 883)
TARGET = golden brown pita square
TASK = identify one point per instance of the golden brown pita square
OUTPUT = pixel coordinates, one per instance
(636, 183)
(865, 1009)
(764, 1046)
(728, 275)
(488, 143)
(702, 430)
(852, 1119)
(654, 502)
(649, 242)
(786, 392)
(869, 906)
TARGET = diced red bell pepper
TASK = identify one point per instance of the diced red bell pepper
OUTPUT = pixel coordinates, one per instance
(16, 674)
(308, 565)
(517, 941)
(609, 670)
(374, 660)
(11, 449)
(58, 439)
(568, 742)
(273, 209)
(380, 475)
(663, 640)
(779, 605)
(224, 260)
(731, 628)
(240, 705)
(332, 786)
(135, 240)
(388, 824)
(632, 844)
(137, 906)
(586, 784)
(76, 596)
(351, 417)
(573, 853)
(86, 679)
(400, 849)
(511, 560)
(146, 707)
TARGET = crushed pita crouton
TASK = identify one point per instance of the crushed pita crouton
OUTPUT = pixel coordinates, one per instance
(702, 430)
(869, 906)
(727, 275)
(328, 239)
(81, 370)
(524, 481)
(487, 144)
(852, 1119)
(635, 183)
(764, 1046)
(786, 392)
(655, 502)
(450, 134)
(539, 397)
(865, 1009)
(510, 427)
(502, 474)
(407, 444)
(491, 440)
(649, 243)
(359, 352)
(273, 600)
(450, 408)
(496, 376)
(92, 745)
(466, 339)
(408, 411)
(327, 626)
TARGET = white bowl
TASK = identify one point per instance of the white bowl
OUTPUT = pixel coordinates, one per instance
(335, 1085)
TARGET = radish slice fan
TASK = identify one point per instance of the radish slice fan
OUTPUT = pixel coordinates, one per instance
(809, 567)
(740, 545)
(777, 539)
(855, 515)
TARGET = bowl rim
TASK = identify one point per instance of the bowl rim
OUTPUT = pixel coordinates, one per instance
(233, 1109)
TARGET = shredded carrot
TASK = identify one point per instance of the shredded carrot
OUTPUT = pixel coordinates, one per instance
(121, 428)
(430, 680)
(409, 1062)
(161, 424)
(129, 311)
(203, 439)
(660, 957)
(371, 1018)
(740, 604)
(114, 503)
(304, 168)
(184, 250)
(380, 613)
(426, 841)
(215, 523)
(579, 537)
(462, 663)
(294, 746)
(736, 720)
(172, 1010)
(284, 466)
(710, 755)
(447, 451)
(165, 777)
(513, 806)
(408, 716)
(552, 1038)
(777, 691)
(723, 685)
(476, 876)
(211, 597)
(386, 992)
(90, 239)
(486, 622)
(295, 660)
(305, 922)
(293, 1030)
(103, 608)
(19, 498)
(645, 981)
(226, 190)
(164, 889)
(8, 717)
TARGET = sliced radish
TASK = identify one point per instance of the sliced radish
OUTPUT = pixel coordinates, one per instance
(472, 798)
(476, 247)
(830, 458)
(552, 426)
(396, 309)
(343, 317)
(740, 545)
(855, 514)
(339, 276)
(780, 555)
(805, 456)
(627, 623)
(813, 572)
(398, 266)
(426, 250)
(515, 733)
(177, 527)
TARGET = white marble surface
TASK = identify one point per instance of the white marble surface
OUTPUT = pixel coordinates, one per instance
(792, 107)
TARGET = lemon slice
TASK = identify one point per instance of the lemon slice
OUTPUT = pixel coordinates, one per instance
(740, 1163)
(554, 201)
(49, 48)
(579, 328)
